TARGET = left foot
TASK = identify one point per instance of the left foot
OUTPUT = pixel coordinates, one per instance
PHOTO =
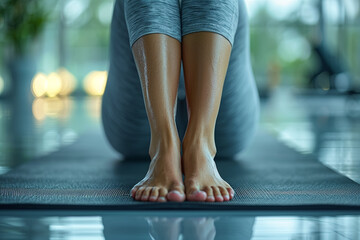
(202, 179)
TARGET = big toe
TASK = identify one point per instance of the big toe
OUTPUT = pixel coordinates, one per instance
(176, 196)
(196, 195)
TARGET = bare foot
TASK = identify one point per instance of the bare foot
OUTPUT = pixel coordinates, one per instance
(202, 179)
(163, 181)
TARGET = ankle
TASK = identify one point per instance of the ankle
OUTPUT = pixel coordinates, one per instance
(193, 143)
(164, 143)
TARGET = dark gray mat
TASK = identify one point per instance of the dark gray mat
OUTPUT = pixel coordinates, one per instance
(89, 175)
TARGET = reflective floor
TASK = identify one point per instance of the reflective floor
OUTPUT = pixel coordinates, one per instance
(167, 225)
(326, 126)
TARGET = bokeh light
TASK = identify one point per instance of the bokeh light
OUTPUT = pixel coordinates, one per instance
(74, 9)
(60, 83)
(2, 85)
(68, 82)
(38, 109)
(95, 82)
(39, 85)
(58, 108)
(309, 14)
(53, 85)
(104, 11)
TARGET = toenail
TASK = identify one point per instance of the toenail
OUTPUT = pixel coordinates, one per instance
(177, 192)
(162, 198)
(195, 192)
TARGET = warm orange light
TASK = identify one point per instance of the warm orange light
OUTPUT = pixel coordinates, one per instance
(60, 83)
(68, 82)
(51, 107)
(95, 82)
(38, 109)
(39, 85)
(53, 85)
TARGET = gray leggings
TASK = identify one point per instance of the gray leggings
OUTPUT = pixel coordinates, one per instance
(124, 118)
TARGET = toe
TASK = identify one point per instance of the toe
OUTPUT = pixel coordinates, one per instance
(217, 194)
(162, 195)
(210, 194)
(176, 194)
(194, 194)
(139, 193)
(224, 194)
(154, 194)
(231, 192)
(146, 193)
(133, 191)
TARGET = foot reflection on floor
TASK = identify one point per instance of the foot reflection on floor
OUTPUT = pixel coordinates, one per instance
(111, 227)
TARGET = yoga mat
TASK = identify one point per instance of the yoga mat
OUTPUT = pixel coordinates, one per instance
(90, 175)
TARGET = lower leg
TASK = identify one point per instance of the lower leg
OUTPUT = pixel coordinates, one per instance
(158, 58)
(205, 59)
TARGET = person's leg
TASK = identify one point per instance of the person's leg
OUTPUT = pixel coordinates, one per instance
(157, 53)
(220, 90)
(124, 115)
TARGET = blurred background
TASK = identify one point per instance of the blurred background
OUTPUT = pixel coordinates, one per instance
(54, 57)
(54, 62)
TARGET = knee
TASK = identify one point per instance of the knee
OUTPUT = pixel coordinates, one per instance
(219, 16)
(157, 16)
(229, 146)
(120, 138)
(234, 138)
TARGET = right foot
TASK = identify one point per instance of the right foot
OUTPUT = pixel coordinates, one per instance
(202, 179)
(163, 181)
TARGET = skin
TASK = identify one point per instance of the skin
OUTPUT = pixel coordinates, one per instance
(205, 58)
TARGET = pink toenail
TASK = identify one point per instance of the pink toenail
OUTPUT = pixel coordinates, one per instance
(177, 192)
(220, 196)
